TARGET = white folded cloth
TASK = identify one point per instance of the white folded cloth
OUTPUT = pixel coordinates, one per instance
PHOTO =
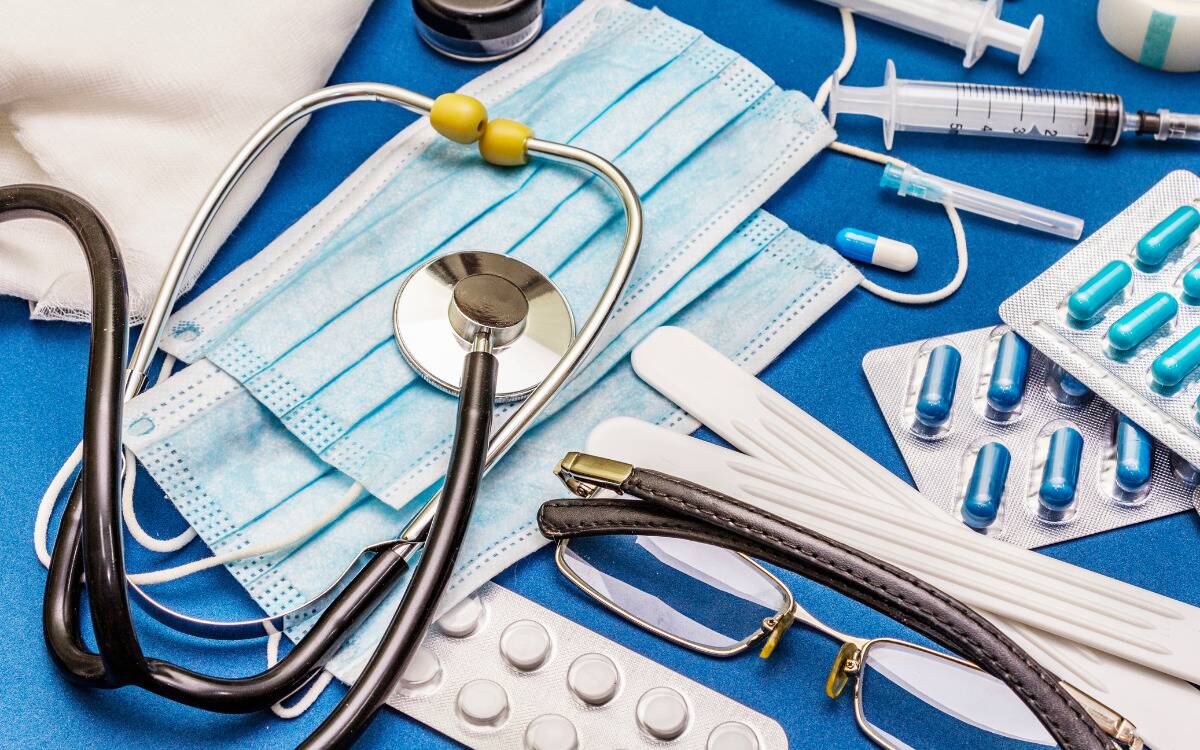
(137, 106)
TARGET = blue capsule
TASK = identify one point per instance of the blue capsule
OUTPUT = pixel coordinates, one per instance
(1168, 235)
(1142, 321)
(1066, 389)
(1007, 386)
(936, 397)
(1191, 282)
(1060, 476)
(1178, 361)
(985, 490)
(1093, 294)
(1135, 455)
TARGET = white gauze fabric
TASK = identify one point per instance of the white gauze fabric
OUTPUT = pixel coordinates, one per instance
(137, 106)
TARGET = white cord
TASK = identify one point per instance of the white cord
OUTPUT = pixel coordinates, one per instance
(310, 696)
(851, 51)
(138, 533)
(904, 298)
(45, 510)
(960, 237)
(41, 524)
(152, 577)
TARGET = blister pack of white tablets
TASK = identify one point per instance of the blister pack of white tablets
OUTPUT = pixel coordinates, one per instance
(1009, 443)
(1121, 312)
(499, 671)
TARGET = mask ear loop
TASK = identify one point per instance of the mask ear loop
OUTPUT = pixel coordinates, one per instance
(960, 237)
(149, 578)
(315, 688)
(139, 534)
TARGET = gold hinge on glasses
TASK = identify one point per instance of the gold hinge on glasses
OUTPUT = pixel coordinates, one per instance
(585, 475)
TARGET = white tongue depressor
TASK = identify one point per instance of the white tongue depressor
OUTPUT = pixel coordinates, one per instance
(1023, 592)
(756, 420)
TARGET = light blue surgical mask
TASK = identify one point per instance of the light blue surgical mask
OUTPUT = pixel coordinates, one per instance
(784, 282)
(703, 135)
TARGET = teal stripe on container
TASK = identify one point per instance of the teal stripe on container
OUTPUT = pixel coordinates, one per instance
(1158, 39)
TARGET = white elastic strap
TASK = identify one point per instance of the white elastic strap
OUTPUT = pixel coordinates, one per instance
(960, 237)
(138, 533)
(41, 524)
(310, 696)
(152, 577)
(848, 55)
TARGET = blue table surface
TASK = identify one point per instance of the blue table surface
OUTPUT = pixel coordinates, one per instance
(797, 42)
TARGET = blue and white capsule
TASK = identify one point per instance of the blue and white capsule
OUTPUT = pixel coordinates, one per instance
(1135, 457)
(868, 247)
(1060, 475)
(985, 489)
(1006, 389)
(935, 399)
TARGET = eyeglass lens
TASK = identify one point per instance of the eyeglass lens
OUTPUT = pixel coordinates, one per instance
(918, 700)
(698, 593)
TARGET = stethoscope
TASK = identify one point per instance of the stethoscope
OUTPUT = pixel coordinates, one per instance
(483, 326)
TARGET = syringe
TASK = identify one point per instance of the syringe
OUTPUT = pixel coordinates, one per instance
(970, 25)
(1007, 111)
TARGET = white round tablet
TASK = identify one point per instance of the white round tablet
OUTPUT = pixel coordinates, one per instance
(483, 703)
(551, 732)
(594, 679)
(662, 713)
(423, 669)
(463, 619)
(525, 644)
(732, 735)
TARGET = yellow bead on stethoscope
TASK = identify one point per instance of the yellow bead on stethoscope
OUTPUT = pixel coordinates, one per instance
(503, 143)
(458, 117)
(464, 119)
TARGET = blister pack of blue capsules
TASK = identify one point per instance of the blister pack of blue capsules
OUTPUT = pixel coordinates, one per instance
(1009, 443)
(1121, 312)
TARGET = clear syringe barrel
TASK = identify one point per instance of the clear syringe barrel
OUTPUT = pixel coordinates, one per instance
(970, 25)
(910, 181)
(981, 109)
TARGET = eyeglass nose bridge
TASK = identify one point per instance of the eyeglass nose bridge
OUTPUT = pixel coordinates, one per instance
(846, 664)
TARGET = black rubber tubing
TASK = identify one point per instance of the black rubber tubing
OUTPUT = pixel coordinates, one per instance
(90, 533)
(408, 626)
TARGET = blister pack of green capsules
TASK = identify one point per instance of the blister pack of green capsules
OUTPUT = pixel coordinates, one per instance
(1121, 312)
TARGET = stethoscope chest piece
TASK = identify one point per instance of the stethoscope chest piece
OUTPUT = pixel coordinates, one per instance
(446, 305)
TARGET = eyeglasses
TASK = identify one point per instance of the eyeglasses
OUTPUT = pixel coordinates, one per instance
(718, 602)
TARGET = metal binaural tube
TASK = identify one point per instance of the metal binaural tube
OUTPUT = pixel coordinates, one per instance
(147, 342)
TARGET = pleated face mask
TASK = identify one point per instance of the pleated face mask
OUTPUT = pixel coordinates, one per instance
(305, 327)
(779, 283)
